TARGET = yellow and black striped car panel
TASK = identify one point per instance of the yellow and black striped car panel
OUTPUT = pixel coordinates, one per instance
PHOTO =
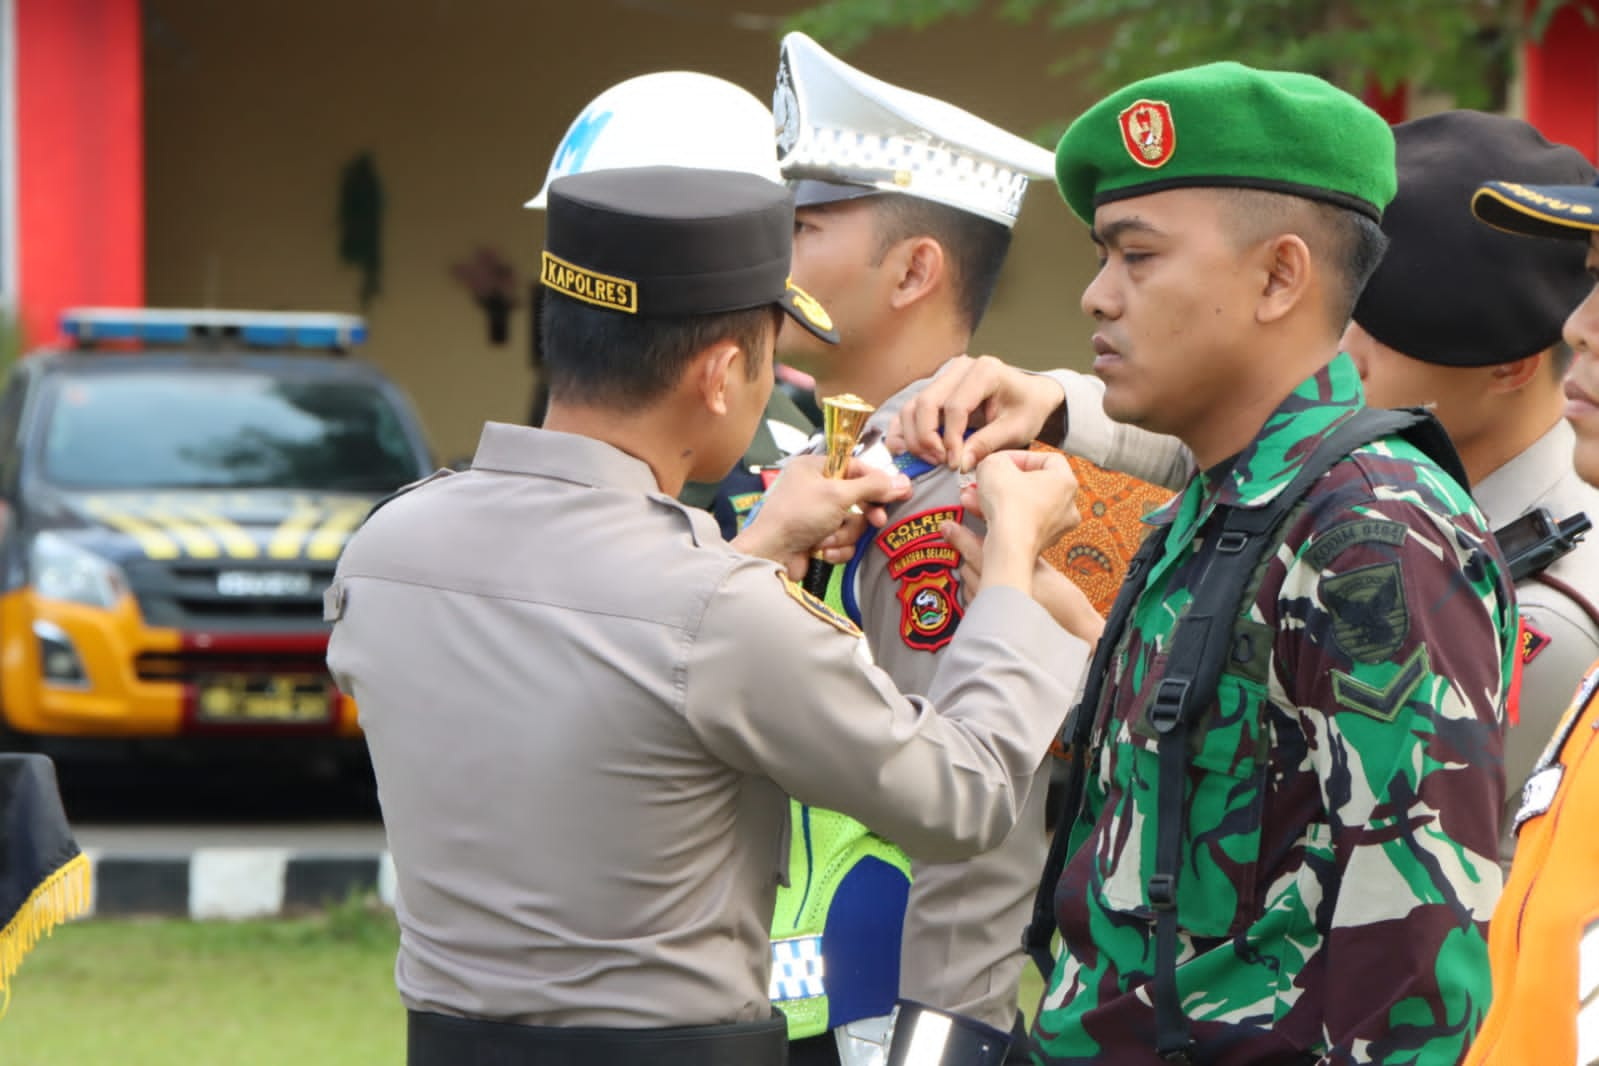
(170, 526)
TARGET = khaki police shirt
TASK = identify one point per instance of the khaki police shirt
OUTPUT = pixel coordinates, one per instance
(961, 947)
(1561, 641)
(584, 710)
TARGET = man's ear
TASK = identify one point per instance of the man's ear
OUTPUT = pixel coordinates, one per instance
(1288, 272)
(920, 268)
(1509, 377)
(711, 369)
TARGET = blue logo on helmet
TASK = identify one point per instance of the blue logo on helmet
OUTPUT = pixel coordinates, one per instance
(579, 140)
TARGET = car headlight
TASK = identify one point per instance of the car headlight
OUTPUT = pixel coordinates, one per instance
(60, 570)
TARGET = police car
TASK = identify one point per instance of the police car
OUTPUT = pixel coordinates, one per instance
(175, 489)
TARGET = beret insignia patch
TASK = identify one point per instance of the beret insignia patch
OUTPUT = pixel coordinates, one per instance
(1149, 133)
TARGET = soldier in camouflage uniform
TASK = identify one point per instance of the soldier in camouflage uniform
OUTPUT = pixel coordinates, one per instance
(1341, 792)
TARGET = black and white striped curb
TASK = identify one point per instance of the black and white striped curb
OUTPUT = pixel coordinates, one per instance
(220, 882)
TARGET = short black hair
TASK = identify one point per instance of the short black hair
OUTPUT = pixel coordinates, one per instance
(1347, 241)
(974, 247)
(600, 358)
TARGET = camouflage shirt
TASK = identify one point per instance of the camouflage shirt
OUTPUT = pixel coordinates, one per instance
(1338, 859)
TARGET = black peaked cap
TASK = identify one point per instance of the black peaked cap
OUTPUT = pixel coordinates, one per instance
(1451, 290)
(668, 241)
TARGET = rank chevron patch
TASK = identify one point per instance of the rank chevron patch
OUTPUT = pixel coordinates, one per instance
(1382, 703)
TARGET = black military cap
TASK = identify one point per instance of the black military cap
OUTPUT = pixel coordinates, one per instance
(1451, 290)
(668, 241)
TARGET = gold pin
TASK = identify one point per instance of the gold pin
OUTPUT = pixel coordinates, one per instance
(843, 418)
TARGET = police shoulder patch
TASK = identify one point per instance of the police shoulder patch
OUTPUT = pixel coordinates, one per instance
(817, 607)
(1533, 642)
(924, 564)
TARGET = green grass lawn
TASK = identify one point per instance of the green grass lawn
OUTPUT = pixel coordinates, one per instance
(313, 991)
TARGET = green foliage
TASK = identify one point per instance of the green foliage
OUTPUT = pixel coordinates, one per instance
(1461, 47)
(10, 340)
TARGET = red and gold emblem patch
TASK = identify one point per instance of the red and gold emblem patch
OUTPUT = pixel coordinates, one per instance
(924, 564)
(1533, 642)
(1149, 133)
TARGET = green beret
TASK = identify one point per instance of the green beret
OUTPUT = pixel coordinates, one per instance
(1225, 124)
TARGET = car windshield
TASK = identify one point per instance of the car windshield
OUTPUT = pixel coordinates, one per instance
(204, 429)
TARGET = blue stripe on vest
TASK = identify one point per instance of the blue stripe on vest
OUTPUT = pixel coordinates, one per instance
(846, 588)
(861, 942)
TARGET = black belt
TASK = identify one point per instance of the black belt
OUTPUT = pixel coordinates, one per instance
(443, 1040)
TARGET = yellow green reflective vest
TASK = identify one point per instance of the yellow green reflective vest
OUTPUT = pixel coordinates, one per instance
(836, 927)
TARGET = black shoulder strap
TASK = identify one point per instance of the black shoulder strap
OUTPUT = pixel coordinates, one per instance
(1197, 654)
(1075, 735)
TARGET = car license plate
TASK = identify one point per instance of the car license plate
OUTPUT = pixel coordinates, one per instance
(264, 583)
(281, 699)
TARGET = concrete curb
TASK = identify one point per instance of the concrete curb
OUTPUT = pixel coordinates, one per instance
(229, 883)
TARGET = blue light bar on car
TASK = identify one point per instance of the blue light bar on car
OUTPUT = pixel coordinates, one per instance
(257, 329)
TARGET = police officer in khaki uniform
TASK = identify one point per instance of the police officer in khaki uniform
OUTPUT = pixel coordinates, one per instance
(585, 708)
(905, 208)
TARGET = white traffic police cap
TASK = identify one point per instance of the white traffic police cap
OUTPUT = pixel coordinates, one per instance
(842, 133)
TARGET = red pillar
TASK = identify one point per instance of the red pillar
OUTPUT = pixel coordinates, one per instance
(80, 158)
(1390, 105)
(1562, 79)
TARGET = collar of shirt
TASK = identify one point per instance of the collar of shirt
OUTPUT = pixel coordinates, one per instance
(509, 449)
(891, 407)
(1519, 485)
(1255, 476)
(875, 452)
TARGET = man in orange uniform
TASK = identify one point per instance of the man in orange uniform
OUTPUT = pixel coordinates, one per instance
(1544, 938)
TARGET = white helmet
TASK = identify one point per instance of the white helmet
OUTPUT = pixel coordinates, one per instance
(674, 118)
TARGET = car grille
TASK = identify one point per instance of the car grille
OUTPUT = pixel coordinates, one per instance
(190, 595)
(235, 654)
